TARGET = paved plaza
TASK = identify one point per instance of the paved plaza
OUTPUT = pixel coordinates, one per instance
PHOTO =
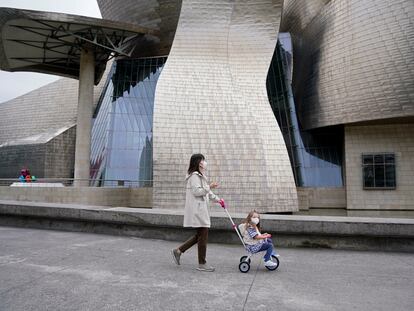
(55, 270)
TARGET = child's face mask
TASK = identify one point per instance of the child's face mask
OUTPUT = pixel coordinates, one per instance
(255, 220)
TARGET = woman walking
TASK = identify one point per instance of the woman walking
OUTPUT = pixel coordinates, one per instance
(198, 194)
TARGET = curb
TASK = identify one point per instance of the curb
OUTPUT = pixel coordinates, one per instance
(351, 233)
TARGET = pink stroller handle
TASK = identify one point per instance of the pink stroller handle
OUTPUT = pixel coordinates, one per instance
(222, 203)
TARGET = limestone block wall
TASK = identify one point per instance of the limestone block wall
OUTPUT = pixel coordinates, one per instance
(211, 98)
(98, 196)
(14, 158)
(60, 155)
(398, 139)
(321, 198)
(53, 158)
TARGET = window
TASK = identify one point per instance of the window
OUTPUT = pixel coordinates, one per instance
(378, 171)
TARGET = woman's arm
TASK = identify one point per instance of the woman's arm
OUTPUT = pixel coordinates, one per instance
(196, 186)
(212, 196)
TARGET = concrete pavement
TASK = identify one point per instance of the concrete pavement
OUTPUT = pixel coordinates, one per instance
(53, 270)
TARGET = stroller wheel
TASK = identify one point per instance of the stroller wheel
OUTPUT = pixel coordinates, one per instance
(243, 258)
(276, 261)
(244, 267)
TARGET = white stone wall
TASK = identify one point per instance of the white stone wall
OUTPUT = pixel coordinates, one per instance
(398, 139)
(211, 98)
(96, 196)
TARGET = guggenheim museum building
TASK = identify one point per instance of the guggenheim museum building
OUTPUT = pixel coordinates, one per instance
(297, 105)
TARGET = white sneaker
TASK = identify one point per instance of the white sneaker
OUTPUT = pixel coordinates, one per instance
(270, 264)
(205, 268)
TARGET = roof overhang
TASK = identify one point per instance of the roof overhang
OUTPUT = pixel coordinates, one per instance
(51, 43)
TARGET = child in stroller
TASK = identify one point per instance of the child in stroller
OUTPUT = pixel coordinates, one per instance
(255, 242)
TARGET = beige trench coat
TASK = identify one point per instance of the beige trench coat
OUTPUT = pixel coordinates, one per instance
(197, 196)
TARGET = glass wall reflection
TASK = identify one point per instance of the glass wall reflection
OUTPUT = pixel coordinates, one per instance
(315, 156)
(121, 149)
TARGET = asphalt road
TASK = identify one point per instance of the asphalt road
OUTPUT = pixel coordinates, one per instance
(52, 270)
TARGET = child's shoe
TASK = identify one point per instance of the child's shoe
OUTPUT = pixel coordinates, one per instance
(270, 264)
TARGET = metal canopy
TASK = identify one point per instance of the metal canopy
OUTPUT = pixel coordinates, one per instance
(52, 42)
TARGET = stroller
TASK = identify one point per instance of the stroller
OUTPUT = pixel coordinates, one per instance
(244, 265)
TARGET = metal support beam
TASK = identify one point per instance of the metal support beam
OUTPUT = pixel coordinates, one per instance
(84, 118)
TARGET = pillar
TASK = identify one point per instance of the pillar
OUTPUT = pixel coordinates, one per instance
(84, 118)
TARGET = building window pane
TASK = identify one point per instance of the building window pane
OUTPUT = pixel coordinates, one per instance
(379, 176)
(379, 159)
(378, 171)
(390, 159)
(390, 176)
(368, 159)
(369, 176)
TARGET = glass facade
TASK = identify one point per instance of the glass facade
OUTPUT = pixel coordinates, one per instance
(316, 156)
(121, 147)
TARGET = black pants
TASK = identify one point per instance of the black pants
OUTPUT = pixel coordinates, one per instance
(200, 238)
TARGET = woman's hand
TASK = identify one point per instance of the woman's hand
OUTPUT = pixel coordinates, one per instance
(214, 185)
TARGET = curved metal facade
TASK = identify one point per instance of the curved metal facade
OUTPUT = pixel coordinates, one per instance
(160, 15)
(353, 60)
(211, 98)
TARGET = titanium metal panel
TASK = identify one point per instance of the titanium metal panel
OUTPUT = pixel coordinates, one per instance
(353, 60)
(160, 15)
(211, 98)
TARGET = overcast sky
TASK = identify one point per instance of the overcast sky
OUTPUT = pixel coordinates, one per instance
(13, 84)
